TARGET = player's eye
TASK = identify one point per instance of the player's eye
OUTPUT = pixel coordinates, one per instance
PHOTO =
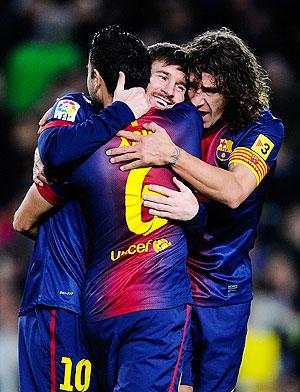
(181, 88)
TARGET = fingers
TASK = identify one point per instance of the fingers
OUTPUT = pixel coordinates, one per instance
(132, 165)
(39, 178)
(153, 127)
(180, 185)
(161, 214)
(161, 189)
(150, 199)
(45, 117)
(121, 82)
(130, 136)
(124, 158)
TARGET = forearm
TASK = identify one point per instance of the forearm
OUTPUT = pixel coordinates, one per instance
(61, 145)
(212, 182)
(30, 212)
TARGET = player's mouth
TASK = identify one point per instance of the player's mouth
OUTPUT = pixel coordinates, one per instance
(204, 115)
(162, 103)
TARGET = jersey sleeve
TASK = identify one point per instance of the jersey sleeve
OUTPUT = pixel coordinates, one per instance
(69, 135)
(259, 148)
(52, 195)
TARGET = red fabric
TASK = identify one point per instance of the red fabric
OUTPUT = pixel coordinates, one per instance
(58, 123)
(52, 350)
(49, 195)
(188, 311)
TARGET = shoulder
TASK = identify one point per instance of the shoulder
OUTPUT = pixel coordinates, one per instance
(184, 112)
(72, 105)
(268, 124)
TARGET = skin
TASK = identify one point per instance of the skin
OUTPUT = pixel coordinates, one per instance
(167, 85)
(207, 99)
(166, 88)
(31, 210)
(230, 187)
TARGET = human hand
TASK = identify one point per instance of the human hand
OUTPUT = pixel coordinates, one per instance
(38, 170)
(154, 149)
(134, 97)
(45, 118)
(178, 205)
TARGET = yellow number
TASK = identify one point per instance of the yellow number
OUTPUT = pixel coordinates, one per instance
(66, 386)
(133, 202)
(83, 363)
(87, 375)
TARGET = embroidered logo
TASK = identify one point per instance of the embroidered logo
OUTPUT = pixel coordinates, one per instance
(224, 149)
(66, 110)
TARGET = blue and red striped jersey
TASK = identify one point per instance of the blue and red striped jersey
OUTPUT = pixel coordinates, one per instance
(219, 265)
(135, 261)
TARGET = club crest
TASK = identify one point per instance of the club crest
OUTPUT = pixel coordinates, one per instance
(224, 149)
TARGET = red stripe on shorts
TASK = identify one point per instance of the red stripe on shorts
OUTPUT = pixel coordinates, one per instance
(188, 311)
(52, 350)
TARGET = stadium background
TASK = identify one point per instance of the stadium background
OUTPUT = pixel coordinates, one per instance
(43, 50)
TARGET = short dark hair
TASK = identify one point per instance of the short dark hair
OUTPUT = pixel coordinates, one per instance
(112, 50)
(239, 76)
(171, 54)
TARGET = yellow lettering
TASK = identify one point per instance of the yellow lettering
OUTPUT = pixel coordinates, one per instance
(140, 248)
(86, 364)
(66, 386)
(112, 255)
(124, 142)
(133, 204)
(132, 249)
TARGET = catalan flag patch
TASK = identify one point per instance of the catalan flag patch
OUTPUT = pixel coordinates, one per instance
(263, 146)
(252, 160)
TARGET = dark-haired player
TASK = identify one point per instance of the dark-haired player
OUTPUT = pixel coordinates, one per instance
(164, 372)
(53, 352)
(240, 145)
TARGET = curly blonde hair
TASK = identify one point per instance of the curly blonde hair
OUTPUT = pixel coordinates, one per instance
(238, 74)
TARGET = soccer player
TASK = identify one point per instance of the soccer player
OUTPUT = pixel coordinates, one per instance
(163, 98)
(240, 146)
(53, 351)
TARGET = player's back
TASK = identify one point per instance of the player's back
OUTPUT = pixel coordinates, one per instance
(136, 261)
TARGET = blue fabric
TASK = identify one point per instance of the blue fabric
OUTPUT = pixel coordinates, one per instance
(215, 347)
(138, 352)
(58, 145)
(71, 352)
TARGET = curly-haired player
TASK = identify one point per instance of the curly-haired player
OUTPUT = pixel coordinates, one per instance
(239, 148)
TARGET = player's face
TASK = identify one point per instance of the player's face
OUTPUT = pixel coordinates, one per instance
(207, 99)
(167, 85)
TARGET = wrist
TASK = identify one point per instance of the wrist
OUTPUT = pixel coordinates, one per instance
(174, 155)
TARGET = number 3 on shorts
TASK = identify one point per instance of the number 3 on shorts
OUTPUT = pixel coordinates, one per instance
(83, 365)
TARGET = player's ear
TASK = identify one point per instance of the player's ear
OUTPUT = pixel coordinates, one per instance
(98, 78)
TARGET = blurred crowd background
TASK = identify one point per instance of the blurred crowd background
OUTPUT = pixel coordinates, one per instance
(43, 53)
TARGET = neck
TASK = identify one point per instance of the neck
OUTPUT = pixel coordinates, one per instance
(107, 99)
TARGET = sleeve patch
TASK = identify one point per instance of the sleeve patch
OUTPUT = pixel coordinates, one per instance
(250, 159)
(263, 146)
(66, 110)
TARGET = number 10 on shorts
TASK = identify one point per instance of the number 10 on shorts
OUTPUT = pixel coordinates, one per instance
(82, 375)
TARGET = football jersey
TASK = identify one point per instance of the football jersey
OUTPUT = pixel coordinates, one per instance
(57, 268)
(219, 265)
(136, 261)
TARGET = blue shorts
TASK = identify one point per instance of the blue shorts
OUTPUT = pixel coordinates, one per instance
(142, 351)
(215, 347)
(53, 353)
